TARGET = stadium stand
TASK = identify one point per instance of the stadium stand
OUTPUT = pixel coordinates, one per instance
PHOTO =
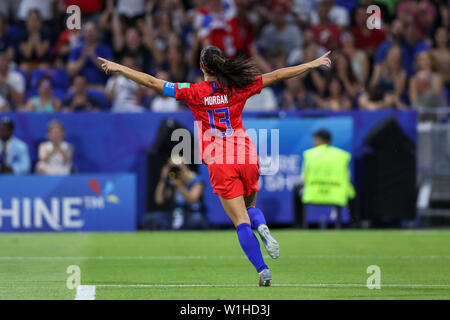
(168, 35)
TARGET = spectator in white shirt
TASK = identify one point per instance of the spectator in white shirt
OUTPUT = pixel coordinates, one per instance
(12, 84)
(303, 9)
(55, 155)
(45, 8)
(337, 14)
(278, 39)
(131, 8)
(124, 93)
(162, 103)
(265, 101)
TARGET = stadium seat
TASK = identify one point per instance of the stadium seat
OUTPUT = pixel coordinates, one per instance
(59, 93)
(59, 76)
(15, 32)
(60, 81)
(350, 5)
(101, 97)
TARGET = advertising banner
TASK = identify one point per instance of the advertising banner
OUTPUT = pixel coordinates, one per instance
(85, 202)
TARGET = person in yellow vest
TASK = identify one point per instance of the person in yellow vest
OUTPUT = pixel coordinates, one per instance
(326, 173)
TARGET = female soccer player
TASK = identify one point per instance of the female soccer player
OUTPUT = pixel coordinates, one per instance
(217, 105)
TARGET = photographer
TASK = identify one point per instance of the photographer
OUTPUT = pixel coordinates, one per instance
(184, 188)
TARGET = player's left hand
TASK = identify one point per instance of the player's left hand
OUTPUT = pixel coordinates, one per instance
(322, 61)
(108, 66)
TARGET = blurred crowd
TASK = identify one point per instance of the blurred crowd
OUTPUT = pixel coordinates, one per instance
(45, 67)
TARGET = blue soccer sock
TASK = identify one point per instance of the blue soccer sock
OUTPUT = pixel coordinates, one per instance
(256, 217)
(250, 245)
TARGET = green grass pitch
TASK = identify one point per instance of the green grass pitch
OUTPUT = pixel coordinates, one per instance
(152, 265)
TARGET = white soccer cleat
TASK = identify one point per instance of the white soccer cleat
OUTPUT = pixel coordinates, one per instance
(265, 278)
(271, 245)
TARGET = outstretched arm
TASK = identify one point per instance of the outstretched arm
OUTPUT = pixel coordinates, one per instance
(139, 77)
(291, 72)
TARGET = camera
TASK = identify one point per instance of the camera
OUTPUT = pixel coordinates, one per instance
(174, 172)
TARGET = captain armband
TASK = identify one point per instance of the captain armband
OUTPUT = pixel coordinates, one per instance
(169, 89)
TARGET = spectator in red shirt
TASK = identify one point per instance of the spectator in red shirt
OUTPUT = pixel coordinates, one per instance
(421, 14)
(87, 7)
(326, 32)
(246, 29)
(219, 27)
(366, 39)
(67, 40)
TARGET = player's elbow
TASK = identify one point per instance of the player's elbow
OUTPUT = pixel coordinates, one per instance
(270, 78)
(277, 76)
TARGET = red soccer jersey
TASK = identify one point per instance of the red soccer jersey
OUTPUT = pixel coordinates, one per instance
(327, 35)
(219, 121)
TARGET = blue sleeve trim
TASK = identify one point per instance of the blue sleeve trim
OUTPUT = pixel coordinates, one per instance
(169, 89)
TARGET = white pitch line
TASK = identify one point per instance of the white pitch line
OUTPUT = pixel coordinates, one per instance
(85, 292)
(274, 285)
(221, 257)
(120, 257)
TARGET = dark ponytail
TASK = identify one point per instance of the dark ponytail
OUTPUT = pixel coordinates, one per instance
(232, 74)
